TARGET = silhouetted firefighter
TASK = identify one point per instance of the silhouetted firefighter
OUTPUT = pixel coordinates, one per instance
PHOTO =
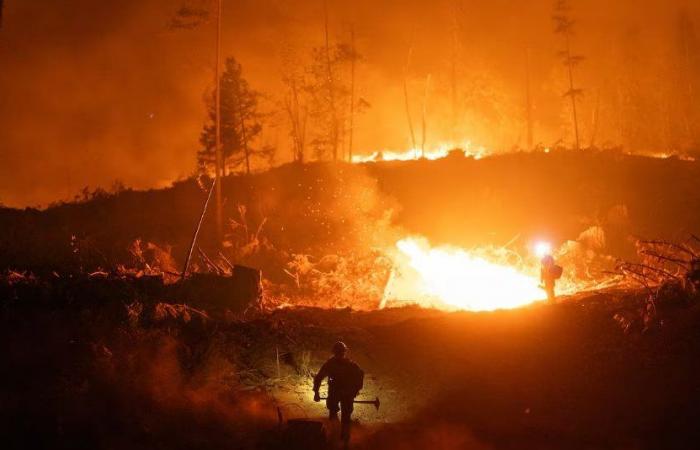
(549, 274)
(345, 380)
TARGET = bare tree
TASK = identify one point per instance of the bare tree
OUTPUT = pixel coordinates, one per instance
(528, 100)
(334, 129)
(318, 120)
(688, 74)
(295, 104)
(424, 115)
(405, 96)
(564, 26)
(323, 93)
(353, 60)
(188, 17)
(457, 11)
(329, 121)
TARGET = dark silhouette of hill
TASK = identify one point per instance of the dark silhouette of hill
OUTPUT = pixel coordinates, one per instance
(327, 208)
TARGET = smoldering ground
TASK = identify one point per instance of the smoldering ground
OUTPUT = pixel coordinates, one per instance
(113, 375)
(563, 376)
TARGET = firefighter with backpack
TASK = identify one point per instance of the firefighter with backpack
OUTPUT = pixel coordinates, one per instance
(549, 274)
(345, 380)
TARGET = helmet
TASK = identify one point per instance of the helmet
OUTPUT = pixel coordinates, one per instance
(339, 348)
(547, 260)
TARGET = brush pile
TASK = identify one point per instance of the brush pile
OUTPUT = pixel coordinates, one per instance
(669, 272)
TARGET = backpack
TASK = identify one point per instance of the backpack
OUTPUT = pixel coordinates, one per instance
(358, 378)
(556, 271)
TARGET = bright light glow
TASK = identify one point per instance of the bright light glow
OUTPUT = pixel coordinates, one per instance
(432, 154)
(543, 248)
(453, 278)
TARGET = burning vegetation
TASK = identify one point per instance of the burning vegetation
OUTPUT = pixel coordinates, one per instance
(476, 280)
(456, 229)
(360, 87)
(370, 254)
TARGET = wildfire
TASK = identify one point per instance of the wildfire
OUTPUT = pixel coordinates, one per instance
(667, 155)
(452, 278)
(434, 153)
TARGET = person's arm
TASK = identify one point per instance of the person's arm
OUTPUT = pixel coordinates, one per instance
(318, 379)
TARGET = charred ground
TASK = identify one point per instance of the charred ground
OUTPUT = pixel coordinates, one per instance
(105, 368)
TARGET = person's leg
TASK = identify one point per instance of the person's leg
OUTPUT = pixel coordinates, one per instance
(346, 408)
(549, 287)
(332, 404)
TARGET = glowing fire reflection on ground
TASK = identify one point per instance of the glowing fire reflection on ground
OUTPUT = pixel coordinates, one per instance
(453, 278)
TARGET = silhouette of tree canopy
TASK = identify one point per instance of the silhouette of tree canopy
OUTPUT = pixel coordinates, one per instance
(188, 17)
(241, 124)
(329, 95)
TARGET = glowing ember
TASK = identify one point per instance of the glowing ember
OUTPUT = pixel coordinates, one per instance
(438, 152)
(457, 279)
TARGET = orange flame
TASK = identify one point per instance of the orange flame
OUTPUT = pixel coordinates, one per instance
(453, 278)
(434, 153)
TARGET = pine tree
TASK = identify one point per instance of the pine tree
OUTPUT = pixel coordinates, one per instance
(241, 123)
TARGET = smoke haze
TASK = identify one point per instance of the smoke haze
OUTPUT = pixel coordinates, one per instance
(93, 92)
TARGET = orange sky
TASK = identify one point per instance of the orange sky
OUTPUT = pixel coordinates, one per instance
(93, 92)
